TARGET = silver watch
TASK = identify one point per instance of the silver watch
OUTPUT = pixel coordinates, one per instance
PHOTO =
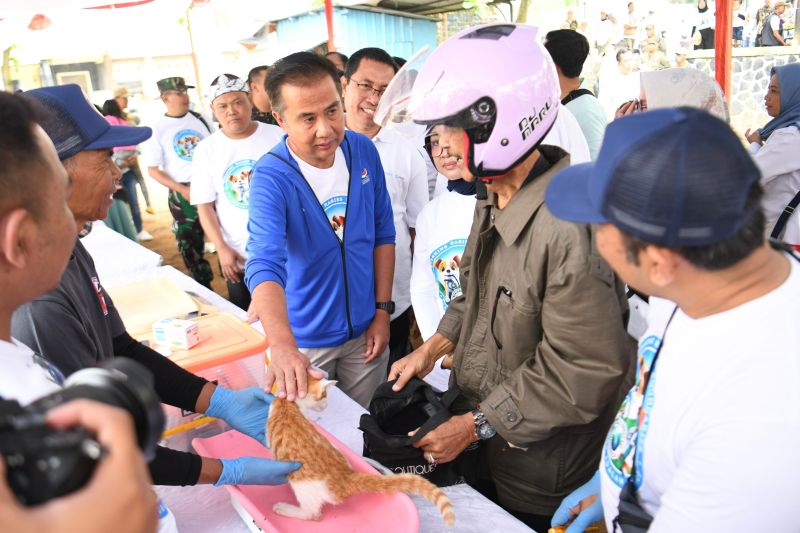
(483, 428)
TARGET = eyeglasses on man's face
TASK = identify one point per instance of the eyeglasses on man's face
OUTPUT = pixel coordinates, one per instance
(366, 88)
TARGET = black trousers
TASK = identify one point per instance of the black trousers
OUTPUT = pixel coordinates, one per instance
(238, 294)
(484, 485)
(399, 345)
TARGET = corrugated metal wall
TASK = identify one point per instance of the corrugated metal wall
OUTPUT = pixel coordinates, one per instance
(354, 29)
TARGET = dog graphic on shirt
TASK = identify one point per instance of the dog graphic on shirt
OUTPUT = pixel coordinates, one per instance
(448, 277)
(337, 224)
(335, 209)
(240, 185)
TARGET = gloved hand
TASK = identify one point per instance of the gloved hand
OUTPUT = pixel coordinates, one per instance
(244, 410)
(584, 515)
(255, 471)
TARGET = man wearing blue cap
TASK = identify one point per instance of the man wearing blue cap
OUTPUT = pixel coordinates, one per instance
(706, 438)
(76, 325)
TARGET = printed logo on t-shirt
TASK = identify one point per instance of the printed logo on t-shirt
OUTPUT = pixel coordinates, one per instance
(236, 182)
(185, 142)
(445, 262)
(364, 176)
(621, 443)
(100, 296)
(335, 210)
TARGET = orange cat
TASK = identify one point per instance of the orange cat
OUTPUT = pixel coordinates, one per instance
(326, 476)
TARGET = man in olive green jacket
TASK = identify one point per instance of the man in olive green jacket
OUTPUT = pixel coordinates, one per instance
(540, 349)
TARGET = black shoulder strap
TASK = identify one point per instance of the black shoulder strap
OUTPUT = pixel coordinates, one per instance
(783, 247)
(577, 93)
(784, 218)
(199, 117)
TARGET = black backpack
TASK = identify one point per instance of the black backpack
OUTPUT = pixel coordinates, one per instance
(393, 414)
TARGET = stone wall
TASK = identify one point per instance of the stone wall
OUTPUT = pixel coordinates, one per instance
(749, 80)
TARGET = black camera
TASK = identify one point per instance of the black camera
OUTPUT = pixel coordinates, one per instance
(44, 463)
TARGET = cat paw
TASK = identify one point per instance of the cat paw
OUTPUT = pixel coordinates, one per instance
(284, 509)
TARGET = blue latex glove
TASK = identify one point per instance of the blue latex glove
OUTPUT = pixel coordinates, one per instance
(244, 410)
(588, 516)
(255, 471)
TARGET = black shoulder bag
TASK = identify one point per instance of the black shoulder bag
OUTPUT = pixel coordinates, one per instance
(577, 93)
(784, 218)
(393, 414)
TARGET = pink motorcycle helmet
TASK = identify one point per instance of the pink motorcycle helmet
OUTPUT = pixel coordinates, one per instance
(499, 84)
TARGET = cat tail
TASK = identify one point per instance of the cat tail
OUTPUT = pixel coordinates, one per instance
(408, 483)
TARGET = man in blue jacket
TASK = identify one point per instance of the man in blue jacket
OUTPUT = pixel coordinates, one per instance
(321, 248)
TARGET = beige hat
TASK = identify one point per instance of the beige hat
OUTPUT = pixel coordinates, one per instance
(120, 92)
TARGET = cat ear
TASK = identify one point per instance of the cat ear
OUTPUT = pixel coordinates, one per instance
(328, 383)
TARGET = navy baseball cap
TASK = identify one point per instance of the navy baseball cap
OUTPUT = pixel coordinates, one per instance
(74, 125)
(672, 177)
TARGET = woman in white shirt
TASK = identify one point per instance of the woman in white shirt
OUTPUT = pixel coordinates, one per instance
(775, 150)
(442, 229)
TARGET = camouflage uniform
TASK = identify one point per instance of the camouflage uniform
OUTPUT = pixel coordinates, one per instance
(172, 148)
(190, 237)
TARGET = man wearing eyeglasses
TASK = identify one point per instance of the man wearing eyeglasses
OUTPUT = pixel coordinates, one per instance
(168, 157)
(367, 74)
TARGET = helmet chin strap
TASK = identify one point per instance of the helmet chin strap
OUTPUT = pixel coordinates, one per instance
(467, 148)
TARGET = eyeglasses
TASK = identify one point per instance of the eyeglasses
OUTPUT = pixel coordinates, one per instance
(434, 149)
(366, 88)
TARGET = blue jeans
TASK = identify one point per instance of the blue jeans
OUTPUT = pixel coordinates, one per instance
(129, 184)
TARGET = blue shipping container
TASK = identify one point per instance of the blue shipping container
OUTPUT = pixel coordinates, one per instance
(354, 28)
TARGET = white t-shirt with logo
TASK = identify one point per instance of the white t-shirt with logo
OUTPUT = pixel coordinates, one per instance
(442, 230)
(330, 187)
(221, 171)
(172, 145)
(25, 376)
(407, 183)
(718, 443)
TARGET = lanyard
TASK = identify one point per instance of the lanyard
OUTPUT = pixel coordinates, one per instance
(646, 386)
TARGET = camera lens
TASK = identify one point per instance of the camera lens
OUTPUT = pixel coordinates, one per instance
(123, 383)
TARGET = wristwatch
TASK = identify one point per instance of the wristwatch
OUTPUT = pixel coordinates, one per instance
(483, 428)
(386, 306)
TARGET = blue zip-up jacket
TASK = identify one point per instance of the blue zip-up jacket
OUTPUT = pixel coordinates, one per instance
(330, 286)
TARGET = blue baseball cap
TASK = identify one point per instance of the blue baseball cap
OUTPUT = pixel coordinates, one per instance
(672, 177)
(74, 125)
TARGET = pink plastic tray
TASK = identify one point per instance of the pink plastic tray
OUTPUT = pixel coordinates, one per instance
(387, 513)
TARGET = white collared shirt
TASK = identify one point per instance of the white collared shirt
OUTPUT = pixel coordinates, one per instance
(407, 183)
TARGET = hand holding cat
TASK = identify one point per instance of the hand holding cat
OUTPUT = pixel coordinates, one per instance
(255, 471)
(244, 410)
(288, 370)
(448, 440)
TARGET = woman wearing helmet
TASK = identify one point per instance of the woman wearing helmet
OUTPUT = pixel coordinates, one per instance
(538, 335)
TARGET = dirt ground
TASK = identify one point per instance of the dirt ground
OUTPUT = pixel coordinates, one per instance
(164, 243)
